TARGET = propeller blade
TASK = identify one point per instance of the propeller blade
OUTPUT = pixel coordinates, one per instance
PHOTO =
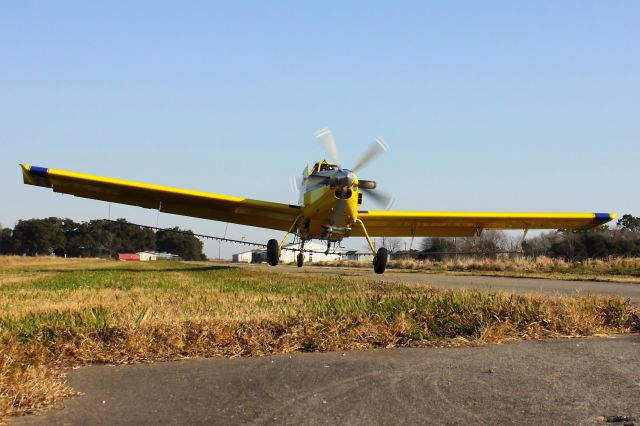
(382, 199)
(318, 180)
(295, 182)
(327, 141)
(367, 184)
(378, 146)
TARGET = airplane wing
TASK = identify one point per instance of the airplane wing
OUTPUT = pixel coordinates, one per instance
(169, 200)
(462, 224)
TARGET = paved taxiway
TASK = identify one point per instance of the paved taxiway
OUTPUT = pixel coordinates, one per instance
(458, 281)
(569, 381)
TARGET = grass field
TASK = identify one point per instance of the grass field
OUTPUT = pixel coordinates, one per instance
(57, 313)
(616, 269)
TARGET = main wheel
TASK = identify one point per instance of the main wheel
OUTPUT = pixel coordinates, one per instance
(380, 260)
(273, 252)
(300, 260)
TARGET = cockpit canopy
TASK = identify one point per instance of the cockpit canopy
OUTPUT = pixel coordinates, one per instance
(322, 166)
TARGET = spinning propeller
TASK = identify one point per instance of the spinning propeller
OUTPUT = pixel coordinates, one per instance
(344, 178)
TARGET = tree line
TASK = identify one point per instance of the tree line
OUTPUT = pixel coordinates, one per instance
(622, 240)
(95, 238)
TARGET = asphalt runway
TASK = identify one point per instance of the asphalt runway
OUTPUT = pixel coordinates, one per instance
(458, 281)
(548, 382)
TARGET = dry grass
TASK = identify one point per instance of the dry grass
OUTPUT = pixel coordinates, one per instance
(84, 312)
(20, 262)
(612, 269)
(30, 388)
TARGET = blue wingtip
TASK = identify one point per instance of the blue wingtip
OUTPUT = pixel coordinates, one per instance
(602, 216)
(42, 171)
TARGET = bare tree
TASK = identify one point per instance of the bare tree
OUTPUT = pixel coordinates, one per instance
(391, 244)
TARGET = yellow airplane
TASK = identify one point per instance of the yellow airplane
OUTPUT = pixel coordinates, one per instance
(328, 207)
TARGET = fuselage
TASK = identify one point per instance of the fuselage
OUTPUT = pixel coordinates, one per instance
(329, 198)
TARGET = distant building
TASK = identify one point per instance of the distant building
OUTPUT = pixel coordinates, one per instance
(288, 256)
(167, 256)
(244, 257)
(358, 255)
(146, 256)
(127, 257)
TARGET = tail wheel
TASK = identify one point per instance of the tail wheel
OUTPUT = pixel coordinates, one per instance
(300, 260)
(380, 260)
(273, 252)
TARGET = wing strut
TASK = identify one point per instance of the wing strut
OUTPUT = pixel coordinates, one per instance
(284, 239)
(521, 239)
(158, 215)
(413, 235)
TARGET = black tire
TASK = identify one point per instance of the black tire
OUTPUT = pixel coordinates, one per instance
(300, 260)
(273, 253)
(380, 260)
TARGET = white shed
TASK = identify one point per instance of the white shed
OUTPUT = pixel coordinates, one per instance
(244, 257)
(358, 255)
(147, 256)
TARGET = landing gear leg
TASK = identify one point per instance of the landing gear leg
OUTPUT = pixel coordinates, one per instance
(380, 257)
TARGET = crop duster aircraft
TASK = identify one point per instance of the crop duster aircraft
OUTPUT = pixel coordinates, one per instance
(328, 209)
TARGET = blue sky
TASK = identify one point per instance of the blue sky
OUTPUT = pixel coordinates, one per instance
(488, 106)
